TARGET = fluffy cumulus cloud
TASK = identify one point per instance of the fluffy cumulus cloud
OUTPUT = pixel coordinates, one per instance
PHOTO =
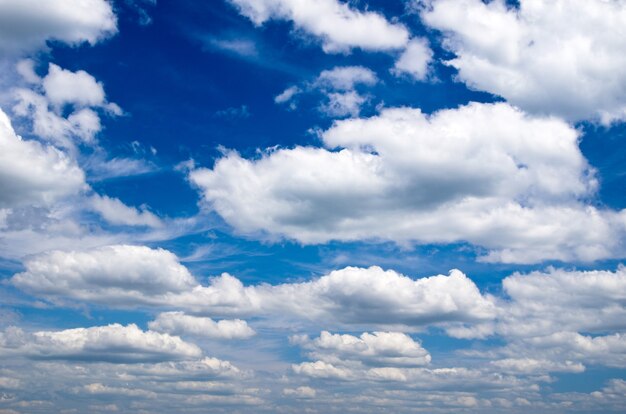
(557, 321)
(32, 173)
(26, 25)
(487, 174)
(63, 86)
(177, 323)
(112, 274)
(563, 57)
(374, 349)
(130, 276)
(112, 343)
(336, 24)
(415, 60)
(587, 301)
(45, 103)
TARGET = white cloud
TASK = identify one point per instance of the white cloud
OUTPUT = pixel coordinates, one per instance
(26, 25)
(45, 101)
(563, 57)
(558, 320)
(338, 88)
(377, 349)
(63, 86)
(32, 173)
(112, 343)
(339, 26)
(111, 275)
(287, 95)
(344, 104)
(26, 69)
(118, 213)
(609, 350)
(415, 60)
(345, 78)
(177, 323)
(131, 276)
(320, 369)
(101, 168)
(487, 174)
(459, 379)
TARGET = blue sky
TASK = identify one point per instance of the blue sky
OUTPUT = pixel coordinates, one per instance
(324, 206)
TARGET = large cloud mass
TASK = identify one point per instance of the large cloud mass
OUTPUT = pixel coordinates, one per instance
(563, 57)
(487, 174)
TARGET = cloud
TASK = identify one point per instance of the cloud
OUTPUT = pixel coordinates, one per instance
(177, 323)
(588, 301)
(536, 366)
(375, 349)
(110, 275)
(117, 213)
(487, 174)
(26, 25)
(559, 57)
(415, 60)
(199, 369)
(45, 102)
(287, 95)
(131, 276)
(345, 78)
(550, 322)
(340, 105)
(320, 369)
(243, 47)
(337, 25)
(455, 378)
(300, 392)
(112, 343)
(63, 86)
(557, 320)
(140, 7)
(32, 173)
(338, 89)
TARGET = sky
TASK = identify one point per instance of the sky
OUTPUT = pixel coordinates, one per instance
(322, 206)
